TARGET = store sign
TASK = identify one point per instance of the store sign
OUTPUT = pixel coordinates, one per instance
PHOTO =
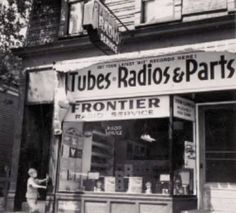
(101, 25)
(120, 109)
(184, 108)
(193, 72)
(114, 130)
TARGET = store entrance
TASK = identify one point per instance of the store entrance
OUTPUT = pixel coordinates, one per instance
(34, 151)
(217, 139)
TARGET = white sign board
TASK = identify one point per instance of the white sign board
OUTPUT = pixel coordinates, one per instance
(41, 86)
(135, 185)
(184, 108)
(192, 72)
(120, 109)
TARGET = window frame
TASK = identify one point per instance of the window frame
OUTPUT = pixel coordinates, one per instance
(139, 13)
(65, 18)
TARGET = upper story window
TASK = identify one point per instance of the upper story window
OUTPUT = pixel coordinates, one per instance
(162, 11)
(71, 17)
(75, 18)
(146, 12)
(157, 11)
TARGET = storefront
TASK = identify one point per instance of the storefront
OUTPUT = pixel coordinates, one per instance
(143, 132)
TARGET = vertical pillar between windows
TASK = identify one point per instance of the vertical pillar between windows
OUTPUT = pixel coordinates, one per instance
(138, 12)
(63, 19)
(177, 9)
(170, 139)
(231, 5)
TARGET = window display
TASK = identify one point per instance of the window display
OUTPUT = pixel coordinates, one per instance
(184, 157)
(128, 156)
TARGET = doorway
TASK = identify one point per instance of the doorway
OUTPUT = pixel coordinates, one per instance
(34, 152)
(217, 153)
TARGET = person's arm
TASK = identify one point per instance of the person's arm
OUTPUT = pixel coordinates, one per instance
(43, 180)
(35, 185)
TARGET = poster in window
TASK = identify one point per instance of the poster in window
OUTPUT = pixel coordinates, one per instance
(53, 160)
(135, 185)
(189, 154)
(71, 158)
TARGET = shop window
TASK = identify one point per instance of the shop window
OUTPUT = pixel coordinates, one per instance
(157, 11)
(131, 156)
(71, 18)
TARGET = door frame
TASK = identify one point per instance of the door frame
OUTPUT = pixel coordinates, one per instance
(200, 146)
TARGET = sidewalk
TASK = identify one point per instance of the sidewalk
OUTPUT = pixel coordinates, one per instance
(41, 207)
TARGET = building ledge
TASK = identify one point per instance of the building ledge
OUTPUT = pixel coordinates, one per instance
(137, 35)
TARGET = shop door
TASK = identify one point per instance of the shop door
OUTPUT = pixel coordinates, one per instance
(217, 139)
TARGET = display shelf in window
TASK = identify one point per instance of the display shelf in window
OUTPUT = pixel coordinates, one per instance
(99, 165)
(102, 153)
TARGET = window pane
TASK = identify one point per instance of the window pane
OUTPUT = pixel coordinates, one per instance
(128, 154)
(184, 157)
(158, 10)
(71, 156)
(75, 18)
(117, 156)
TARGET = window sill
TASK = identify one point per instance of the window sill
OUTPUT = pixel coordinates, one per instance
(118, 195)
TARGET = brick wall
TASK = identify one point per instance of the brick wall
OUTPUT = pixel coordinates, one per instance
(44, 22)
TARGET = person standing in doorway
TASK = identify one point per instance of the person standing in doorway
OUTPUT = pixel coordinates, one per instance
(33, 184)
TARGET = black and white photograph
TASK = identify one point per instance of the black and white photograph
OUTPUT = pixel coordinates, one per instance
(117, 106)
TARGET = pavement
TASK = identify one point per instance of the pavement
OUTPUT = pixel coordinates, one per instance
(41, 206)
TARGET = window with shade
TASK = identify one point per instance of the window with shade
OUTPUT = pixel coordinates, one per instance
(75, 18)
(157, 11)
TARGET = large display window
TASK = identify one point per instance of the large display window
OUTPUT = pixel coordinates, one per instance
(154, 155)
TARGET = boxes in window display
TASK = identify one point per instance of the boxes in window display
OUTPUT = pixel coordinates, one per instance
(128, 170)
(135, 168)
(120, 184)
(119, 175)
(135, 185)
(109, 184)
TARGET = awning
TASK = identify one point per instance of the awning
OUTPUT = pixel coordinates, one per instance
(200, 67)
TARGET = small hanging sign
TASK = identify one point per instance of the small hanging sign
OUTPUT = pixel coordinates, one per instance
(101, 26)
(184, 108)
